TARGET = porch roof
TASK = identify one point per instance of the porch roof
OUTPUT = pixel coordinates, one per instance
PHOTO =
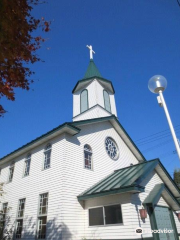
(129, 179)
(122, 180)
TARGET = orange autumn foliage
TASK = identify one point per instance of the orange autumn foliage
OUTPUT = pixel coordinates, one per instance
(17, 45)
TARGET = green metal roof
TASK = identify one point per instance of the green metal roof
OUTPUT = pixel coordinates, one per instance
(123, 180)
(86, 80)
(92, 70)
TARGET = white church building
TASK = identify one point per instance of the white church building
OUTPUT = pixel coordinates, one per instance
(86, 179)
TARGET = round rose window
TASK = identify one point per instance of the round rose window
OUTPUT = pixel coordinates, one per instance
(111, 148)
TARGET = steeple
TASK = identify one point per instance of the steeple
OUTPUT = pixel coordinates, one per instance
(92, 70)
(93, 96)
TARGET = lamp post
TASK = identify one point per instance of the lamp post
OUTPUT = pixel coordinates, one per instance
(157, 84)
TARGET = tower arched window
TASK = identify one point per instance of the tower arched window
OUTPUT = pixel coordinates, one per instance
(84, 100)
(107, 104)
(47, 156)
(87, 156)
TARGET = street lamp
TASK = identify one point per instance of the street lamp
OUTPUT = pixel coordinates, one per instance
(157, 84)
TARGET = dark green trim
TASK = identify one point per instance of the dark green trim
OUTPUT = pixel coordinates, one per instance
(87, 79)
(154, 194)
(105, 193)
(174, 224)
(104, 100)
(69, 125)
(168, 175)
(93, 120)
(148, 171)
(112, 117)
(150, 209)
(87, 101)
(130, 139)
(152, 217)
(172, 196)
(97, 105)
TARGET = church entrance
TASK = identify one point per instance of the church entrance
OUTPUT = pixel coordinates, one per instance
(164, 223)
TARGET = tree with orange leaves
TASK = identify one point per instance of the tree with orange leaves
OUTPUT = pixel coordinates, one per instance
(17, 45)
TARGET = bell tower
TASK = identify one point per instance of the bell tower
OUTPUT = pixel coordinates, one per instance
(93, 96)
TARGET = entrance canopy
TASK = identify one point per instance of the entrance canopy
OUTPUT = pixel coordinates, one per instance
(158, 191)
(130, 179)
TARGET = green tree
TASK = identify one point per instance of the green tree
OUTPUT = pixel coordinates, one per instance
(177, 176)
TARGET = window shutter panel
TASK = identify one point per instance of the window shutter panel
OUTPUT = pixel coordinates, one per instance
(107, 102)
(84, 100)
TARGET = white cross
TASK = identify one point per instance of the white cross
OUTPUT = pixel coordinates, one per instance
(91, 51)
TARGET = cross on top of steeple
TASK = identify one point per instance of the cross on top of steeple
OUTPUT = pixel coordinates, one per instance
(91, 51)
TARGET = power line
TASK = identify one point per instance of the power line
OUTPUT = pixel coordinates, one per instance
(155, 134)
(155, 139)
(158, 145)
(178, 3)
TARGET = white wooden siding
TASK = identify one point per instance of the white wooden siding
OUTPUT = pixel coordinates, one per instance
(66, 179)
(78, 179)
(131, 204)
(124, 230)
(94, 112)
(39, 181)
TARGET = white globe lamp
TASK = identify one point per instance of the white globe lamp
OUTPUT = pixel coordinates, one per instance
(157, 84)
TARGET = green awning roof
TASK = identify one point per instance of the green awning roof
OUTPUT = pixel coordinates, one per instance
(123, 180)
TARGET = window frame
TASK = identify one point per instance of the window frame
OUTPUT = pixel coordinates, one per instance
(19, 218)
(109, 101)
(12, 165)
(3, 221)
(26, 159)
(118, 151)
(41, 215)
(87, 100)
(104, 217)
(91, 169)
(46, 150)
(38, 220)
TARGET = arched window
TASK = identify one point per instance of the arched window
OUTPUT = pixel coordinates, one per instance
(47, 156)
(87, 157)
(84, 100)
(107, 104)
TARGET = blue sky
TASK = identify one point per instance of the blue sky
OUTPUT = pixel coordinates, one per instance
(133, 41)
